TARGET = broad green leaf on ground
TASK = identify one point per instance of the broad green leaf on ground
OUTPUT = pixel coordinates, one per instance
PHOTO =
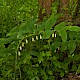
(63, 35)
(71, 46)
(59, 26)
(47, 34)
(72, 28)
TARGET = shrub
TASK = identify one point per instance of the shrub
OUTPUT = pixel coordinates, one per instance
(38, 51)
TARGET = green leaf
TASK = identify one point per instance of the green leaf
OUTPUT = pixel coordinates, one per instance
(63, 35)
(64, 65)
(43, 54)
(48, 53)
(13, 45)
(35, 78)
(50, 72)
(74, 67)
(47, 34)
(41, 26)
(1, 78)
(57, 64)
(51, 21)
(20, 36)
(55, 45)
(59, 26)
(40, 59)
(4, 41)
(72, 34)
(4, 51)
(22, 28)
(63, 46)
(78, 70)
(76, 57)
(72, 28)
(71, 46)
(27, 27)
(34, 53)
(61, 73)
(13, 31)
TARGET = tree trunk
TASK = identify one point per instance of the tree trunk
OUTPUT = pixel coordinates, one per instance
(63, 8)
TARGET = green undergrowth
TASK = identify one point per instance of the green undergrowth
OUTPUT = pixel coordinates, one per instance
(40, 51)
